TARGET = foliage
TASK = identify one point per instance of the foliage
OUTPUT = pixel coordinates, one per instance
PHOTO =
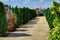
(53, 18)
(3, 21)
(23, 15)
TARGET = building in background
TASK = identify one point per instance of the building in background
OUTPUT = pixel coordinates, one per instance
(41, 11)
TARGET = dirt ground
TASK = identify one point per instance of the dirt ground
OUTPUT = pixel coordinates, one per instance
(36, 29)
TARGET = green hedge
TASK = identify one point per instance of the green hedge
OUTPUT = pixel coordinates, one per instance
(23, 15)
(3, 21)
(53, 18)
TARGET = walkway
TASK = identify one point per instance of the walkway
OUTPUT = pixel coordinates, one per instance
(36, 29)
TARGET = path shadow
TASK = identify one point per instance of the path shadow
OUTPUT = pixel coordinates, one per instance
(37, 18)
(19, 35)
(26, 26)
(30, 23)
(22, 30)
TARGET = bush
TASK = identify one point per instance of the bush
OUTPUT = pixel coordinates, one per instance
(53, 18)
(3, 21)
(23, 15)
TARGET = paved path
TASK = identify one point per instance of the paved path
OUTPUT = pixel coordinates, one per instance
(36, 29)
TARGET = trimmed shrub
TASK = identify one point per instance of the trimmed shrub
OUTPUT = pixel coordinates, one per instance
(53, 18)
(3, 20)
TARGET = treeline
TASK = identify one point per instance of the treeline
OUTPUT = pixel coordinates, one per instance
(53, 18)
(21, 16)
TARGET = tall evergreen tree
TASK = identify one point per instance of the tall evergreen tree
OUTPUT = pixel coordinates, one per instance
(17, 13)
(3, 21)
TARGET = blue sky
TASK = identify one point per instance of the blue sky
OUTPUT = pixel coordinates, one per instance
(28, 3)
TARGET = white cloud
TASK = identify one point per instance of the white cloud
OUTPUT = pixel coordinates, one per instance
(16, 0)
(41, 0)
(57, 0)
(9, 0)
(26, 1)
(4, 0)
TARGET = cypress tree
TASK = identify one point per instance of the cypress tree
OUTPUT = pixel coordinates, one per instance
(17, 17)
(24, 15)
(3, 20)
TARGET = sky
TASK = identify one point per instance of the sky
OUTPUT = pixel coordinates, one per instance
(29, 3)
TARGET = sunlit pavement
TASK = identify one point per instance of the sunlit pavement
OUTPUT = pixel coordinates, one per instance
(36, 29)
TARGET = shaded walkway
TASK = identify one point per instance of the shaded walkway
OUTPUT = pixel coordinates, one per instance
(36, 29)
